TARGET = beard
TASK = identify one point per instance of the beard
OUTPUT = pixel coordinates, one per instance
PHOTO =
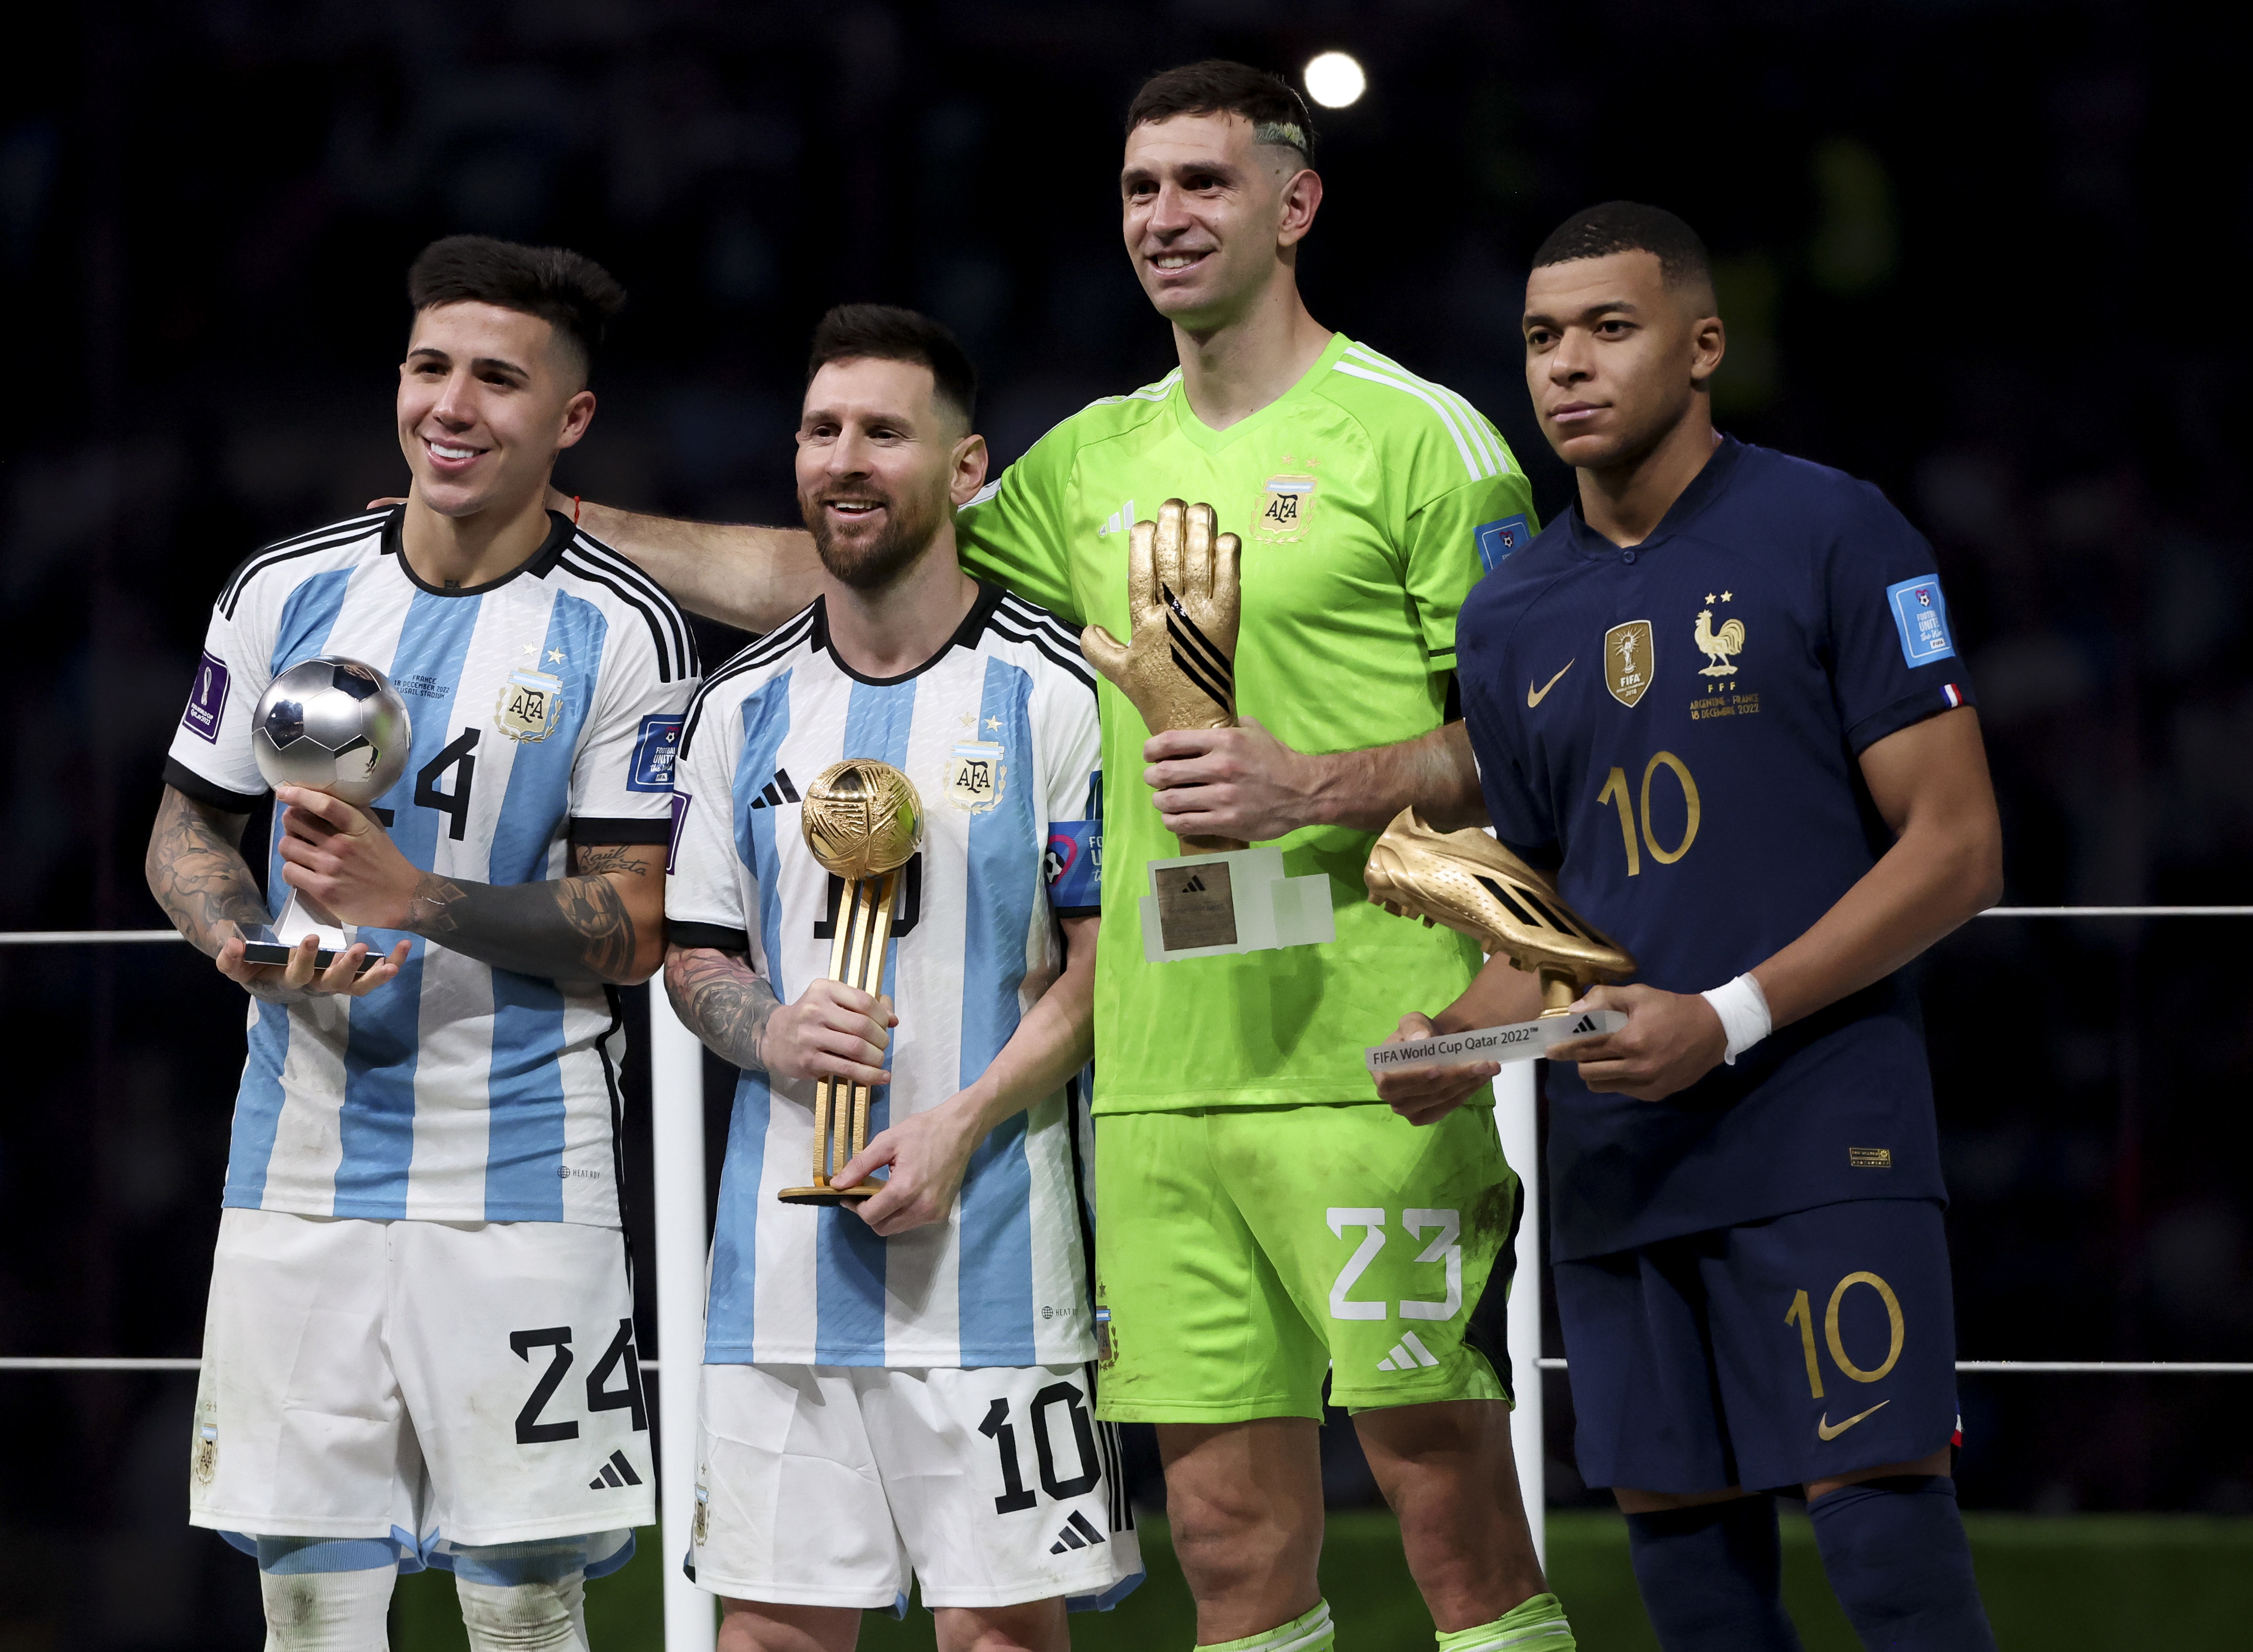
(868, 564)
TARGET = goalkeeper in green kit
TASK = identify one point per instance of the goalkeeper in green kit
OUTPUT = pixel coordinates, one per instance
(1264, 1221)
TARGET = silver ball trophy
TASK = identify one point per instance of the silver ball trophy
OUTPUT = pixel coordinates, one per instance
(333, 724)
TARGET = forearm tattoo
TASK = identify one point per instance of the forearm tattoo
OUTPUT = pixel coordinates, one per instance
(720, 1000)
(574, 929)
(197, 874)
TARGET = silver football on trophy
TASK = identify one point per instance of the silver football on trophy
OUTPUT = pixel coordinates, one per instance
(335, 725)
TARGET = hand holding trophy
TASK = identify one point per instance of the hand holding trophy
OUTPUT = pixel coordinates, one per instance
(333, 724)
(862, 820)
(1185, 594)
(1472, 884)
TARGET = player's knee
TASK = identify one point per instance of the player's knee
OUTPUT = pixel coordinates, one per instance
(326, 1594)
(1895, 1551)
(1711, 1576)
(534, 1616)
(1031, 1625)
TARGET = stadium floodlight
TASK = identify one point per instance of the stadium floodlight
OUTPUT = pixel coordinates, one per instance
(1335, 79)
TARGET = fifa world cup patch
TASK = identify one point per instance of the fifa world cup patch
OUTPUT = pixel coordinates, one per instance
(206, 1458)
(1629, 662)
(208, 700)
(1921, 615)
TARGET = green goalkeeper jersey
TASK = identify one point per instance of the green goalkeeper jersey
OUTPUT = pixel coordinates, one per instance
(1370, 501)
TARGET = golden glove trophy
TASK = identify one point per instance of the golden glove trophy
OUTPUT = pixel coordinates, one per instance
(1473, 885)
(862, 820)
(1185, 596)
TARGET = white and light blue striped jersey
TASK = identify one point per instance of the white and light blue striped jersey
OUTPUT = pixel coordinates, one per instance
(998, 732)
(546, 708)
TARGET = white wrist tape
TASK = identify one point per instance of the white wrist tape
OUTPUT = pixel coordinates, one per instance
(1743, 1009)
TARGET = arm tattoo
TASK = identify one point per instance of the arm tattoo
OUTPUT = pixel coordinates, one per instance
(573, 928)
(197, 874)
(721, 1000)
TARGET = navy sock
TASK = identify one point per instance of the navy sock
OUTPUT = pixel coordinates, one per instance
(1897, 1560)
(1712, 1577)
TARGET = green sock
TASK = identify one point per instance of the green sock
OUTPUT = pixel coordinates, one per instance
(1309, 1632)
(1535, 1626)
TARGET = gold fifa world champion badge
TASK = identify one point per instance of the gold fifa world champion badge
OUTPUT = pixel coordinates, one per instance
(1629, 660)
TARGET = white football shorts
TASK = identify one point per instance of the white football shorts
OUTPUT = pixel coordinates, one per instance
(445, 1384)
(827, 1485)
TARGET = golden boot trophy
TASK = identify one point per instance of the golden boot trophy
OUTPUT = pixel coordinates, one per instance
(1474, 886)
(1185, 596)
(862, 820)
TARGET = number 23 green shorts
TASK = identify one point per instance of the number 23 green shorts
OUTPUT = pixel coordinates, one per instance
(1243, 1254)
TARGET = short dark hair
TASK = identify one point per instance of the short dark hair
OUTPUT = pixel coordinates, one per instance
(1629, 226)
(1217, 87)
(886, 332)
(568, 290)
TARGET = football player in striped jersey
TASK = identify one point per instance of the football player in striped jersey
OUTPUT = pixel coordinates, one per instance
(909, 1384)
(421, 1235)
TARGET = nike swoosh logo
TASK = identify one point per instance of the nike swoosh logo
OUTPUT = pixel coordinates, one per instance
(1828, 1429)
(1535, 696)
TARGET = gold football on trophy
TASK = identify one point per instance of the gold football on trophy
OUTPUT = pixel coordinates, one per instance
(1474, 886)
(861, 818)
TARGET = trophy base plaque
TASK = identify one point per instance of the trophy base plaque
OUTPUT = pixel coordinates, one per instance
(829, 1195)
(273, 944)
(1207, 905)
(1520, 1041)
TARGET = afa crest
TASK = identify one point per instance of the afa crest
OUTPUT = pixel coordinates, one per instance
(975, 776)
(1286, 508)
(531, 705)
(1629, 660)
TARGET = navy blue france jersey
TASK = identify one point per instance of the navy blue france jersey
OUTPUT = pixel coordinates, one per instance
(1675, 729)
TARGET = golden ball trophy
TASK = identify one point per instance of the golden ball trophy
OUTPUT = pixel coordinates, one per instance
(1470, 883)
(862, 820)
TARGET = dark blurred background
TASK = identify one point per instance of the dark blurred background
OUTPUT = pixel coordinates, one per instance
(1983, 253)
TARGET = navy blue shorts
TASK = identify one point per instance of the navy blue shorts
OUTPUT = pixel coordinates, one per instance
(1767, 1356)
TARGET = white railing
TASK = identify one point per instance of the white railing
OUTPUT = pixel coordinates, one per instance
(677, 1154)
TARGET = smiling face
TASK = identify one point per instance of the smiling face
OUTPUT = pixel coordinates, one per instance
(1211, 217)
(487, 398)
(1616, 357)
(881, 465)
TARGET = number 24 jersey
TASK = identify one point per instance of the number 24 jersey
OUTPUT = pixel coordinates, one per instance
(546, 708)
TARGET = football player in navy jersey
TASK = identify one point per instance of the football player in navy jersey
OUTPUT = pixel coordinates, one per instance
(1721, 700)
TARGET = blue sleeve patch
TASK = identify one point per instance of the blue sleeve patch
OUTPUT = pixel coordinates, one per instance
(1074, 864)
(653, 751)
(1921, 615)
(1498, 540)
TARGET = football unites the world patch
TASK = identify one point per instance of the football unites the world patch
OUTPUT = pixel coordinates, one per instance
(1074, 863)
(1921, 614)
(1498, 540)
(655, 746)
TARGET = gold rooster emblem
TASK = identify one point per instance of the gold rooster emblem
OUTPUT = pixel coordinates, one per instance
(1718, 646)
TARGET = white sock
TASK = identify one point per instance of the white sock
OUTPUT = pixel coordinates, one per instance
(524, 1617)
(327, 1611)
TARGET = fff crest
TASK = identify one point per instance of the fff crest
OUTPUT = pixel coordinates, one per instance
(1718, 646)
(975, 775)
(530, 705)
(1629, 660)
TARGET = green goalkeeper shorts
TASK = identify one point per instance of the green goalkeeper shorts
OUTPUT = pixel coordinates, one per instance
(1243, 1254)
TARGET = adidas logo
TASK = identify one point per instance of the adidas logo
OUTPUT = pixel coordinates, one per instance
(1585, 1024)
(779, 792)
(1407, 1353)
(1194, 886)
(616, 1473)
(1078, 1533)
(1119, 520)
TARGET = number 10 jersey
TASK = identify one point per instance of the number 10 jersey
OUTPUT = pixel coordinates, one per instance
(998, 732)
(546, 704)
